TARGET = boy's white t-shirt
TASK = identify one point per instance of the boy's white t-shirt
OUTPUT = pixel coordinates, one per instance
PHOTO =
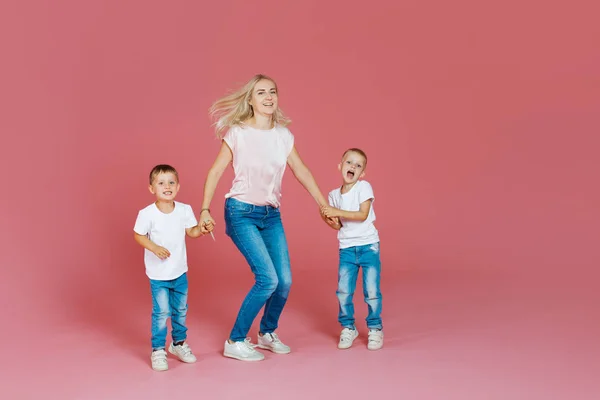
(168, 231)
(355, 233)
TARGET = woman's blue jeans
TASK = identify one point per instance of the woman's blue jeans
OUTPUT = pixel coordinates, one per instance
(258, 233)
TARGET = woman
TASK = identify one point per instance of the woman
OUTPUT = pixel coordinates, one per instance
(259, 145)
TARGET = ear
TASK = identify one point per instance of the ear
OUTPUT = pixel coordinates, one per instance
(178, 185)
(362, 174)
(151, 189)
(339, 166)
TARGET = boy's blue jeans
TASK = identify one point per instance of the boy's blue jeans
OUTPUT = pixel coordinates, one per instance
(169, 299)
(258, 233)
(351, 259)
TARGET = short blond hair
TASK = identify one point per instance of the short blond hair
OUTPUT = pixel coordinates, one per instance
(356, 150)
(162, 169)
(235, 109)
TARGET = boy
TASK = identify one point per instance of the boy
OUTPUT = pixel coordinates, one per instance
(161, 228)
(351, 212)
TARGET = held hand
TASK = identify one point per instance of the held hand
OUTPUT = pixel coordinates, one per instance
(161, 252)
(207, 223)
(330, 212)
(333, 222)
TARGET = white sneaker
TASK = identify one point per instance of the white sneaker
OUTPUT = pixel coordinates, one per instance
(159, 360)
(243, 351)
(375, 339)
(270, 341)
(183, 352)
(347, 338)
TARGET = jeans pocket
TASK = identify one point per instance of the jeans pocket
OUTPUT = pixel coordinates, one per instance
(234, 207)
(374, 247)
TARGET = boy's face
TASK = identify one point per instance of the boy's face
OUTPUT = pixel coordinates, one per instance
(164, 186)
(352, 167)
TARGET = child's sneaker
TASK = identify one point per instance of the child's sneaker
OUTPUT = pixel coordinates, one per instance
(375, 339)
(243, 351)
(347, 338)
(270, 341)
(183, 352)
(159, 360)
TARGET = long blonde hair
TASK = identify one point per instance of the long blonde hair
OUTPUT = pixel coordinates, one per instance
(235, 109)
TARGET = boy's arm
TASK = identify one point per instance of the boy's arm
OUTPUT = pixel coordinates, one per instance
(148, 244)
(359, 215)
(194, 232)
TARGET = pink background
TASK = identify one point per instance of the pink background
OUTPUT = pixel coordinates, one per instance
(481, 123)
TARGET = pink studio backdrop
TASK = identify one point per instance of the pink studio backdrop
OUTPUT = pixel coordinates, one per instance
(480, 120)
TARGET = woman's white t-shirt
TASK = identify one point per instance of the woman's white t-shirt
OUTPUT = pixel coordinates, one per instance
(259, 161)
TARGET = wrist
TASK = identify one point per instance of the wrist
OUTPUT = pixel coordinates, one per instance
(205, 210)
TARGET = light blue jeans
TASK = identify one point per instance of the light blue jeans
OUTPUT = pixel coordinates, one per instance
(258, 234)
(351, 259)
(169, 299)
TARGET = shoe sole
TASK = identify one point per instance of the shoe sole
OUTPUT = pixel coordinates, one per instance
(160, 370)
(179, 358)
(272, 350)
(241, 358)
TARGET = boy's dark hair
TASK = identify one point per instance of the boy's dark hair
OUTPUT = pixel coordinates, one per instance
(356, 150)
(161, 169)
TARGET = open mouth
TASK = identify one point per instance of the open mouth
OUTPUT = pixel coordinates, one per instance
(168, 193)
(350, 174)
(268, 104)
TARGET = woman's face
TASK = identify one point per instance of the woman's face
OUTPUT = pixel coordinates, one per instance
(264, 98)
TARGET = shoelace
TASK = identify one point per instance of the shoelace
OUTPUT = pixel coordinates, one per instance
(274, 337)
(249, 345)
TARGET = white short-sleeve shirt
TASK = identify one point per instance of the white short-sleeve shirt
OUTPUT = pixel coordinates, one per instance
(355, 233)
(168, 231)
(259, 161)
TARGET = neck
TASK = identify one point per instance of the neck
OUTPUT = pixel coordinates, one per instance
(165, 206)
(261, 121)
(347, 186)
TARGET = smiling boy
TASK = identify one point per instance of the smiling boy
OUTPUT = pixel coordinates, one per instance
(160, 229)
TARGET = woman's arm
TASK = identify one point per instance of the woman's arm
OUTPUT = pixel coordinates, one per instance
(305, 177)
(215, 172)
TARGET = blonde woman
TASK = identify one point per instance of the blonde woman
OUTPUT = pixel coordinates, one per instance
(259, 145)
